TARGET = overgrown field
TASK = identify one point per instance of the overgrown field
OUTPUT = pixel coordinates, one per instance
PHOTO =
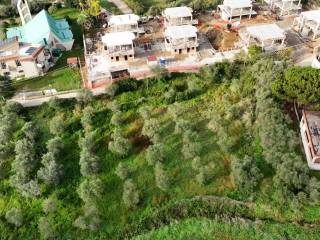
(204, 155)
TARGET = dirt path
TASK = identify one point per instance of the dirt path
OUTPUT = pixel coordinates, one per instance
(123, 7)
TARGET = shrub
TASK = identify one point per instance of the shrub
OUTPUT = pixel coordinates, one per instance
(46, 229)
(57, 125)
(122, 171)
(155, 153)
(119, 145)
(14, 216)
(49, 205)
(162, 179)
(130, 194)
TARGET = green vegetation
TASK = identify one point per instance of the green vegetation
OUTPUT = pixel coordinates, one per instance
(217, 154)
(232, 229)
(298, 83)
(110, 7)
(60, 79)
(154, 7)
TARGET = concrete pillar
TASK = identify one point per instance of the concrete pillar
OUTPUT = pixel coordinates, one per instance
(241, 14)
(282, 42)
(282, 9)
(316, 31)
(250, 12)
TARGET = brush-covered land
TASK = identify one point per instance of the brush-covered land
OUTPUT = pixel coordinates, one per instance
(184, 156)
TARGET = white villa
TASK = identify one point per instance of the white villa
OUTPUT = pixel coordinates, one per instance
(310, 134)
(285, 7)
(181, 39)
(23, 60)
(268, 36)
(236, 9)
(124, 23)
(177, 16)
(308, 24)
(118, 46)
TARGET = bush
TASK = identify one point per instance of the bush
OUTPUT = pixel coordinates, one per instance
(119, 145)
(122, 171)
(14, 216)
(57, 125)
(162, 179)
(49, 205)
(130, 194)
(155, 153)
(46, 229)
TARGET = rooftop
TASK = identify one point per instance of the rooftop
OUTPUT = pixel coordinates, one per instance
(266, 32)
(23, 51)
(237, 3)
(313, 15)
(178, 12)
(40, 27)
(118, 38)
(123, 19)
(177, 32)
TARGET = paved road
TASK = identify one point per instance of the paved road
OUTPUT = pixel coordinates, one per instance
(40, 100)
(123, 7)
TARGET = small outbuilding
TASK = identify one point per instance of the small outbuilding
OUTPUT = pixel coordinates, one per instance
(308, 24)
(236, 9)
(268, 36)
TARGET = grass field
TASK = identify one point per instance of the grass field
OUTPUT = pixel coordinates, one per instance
(60, 79)
(236, 229)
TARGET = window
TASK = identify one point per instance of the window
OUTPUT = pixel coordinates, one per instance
(6, 73)
(21, 71)
(126, 57)
(111, 58)
(3, 65)
(18, 63)
(130, 55)
(117, 58)
(105, 48)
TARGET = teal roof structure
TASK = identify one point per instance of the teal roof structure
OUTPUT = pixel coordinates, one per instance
(40, 27)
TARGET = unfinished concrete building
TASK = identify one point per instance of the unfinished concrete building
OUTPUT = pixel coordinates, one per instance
(308, 24)
(310, 134)
(181, 39)
(118, 46)
(285, 7)
(268, 36)
(125, 23)
(177, 16)
(231, 9)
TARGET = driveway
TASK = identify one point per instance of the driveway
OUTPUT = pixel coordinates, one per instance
(123, 7)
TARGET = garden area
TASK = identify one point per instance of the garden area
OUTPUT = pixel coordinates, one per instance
(204, 155)
(60, 79)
